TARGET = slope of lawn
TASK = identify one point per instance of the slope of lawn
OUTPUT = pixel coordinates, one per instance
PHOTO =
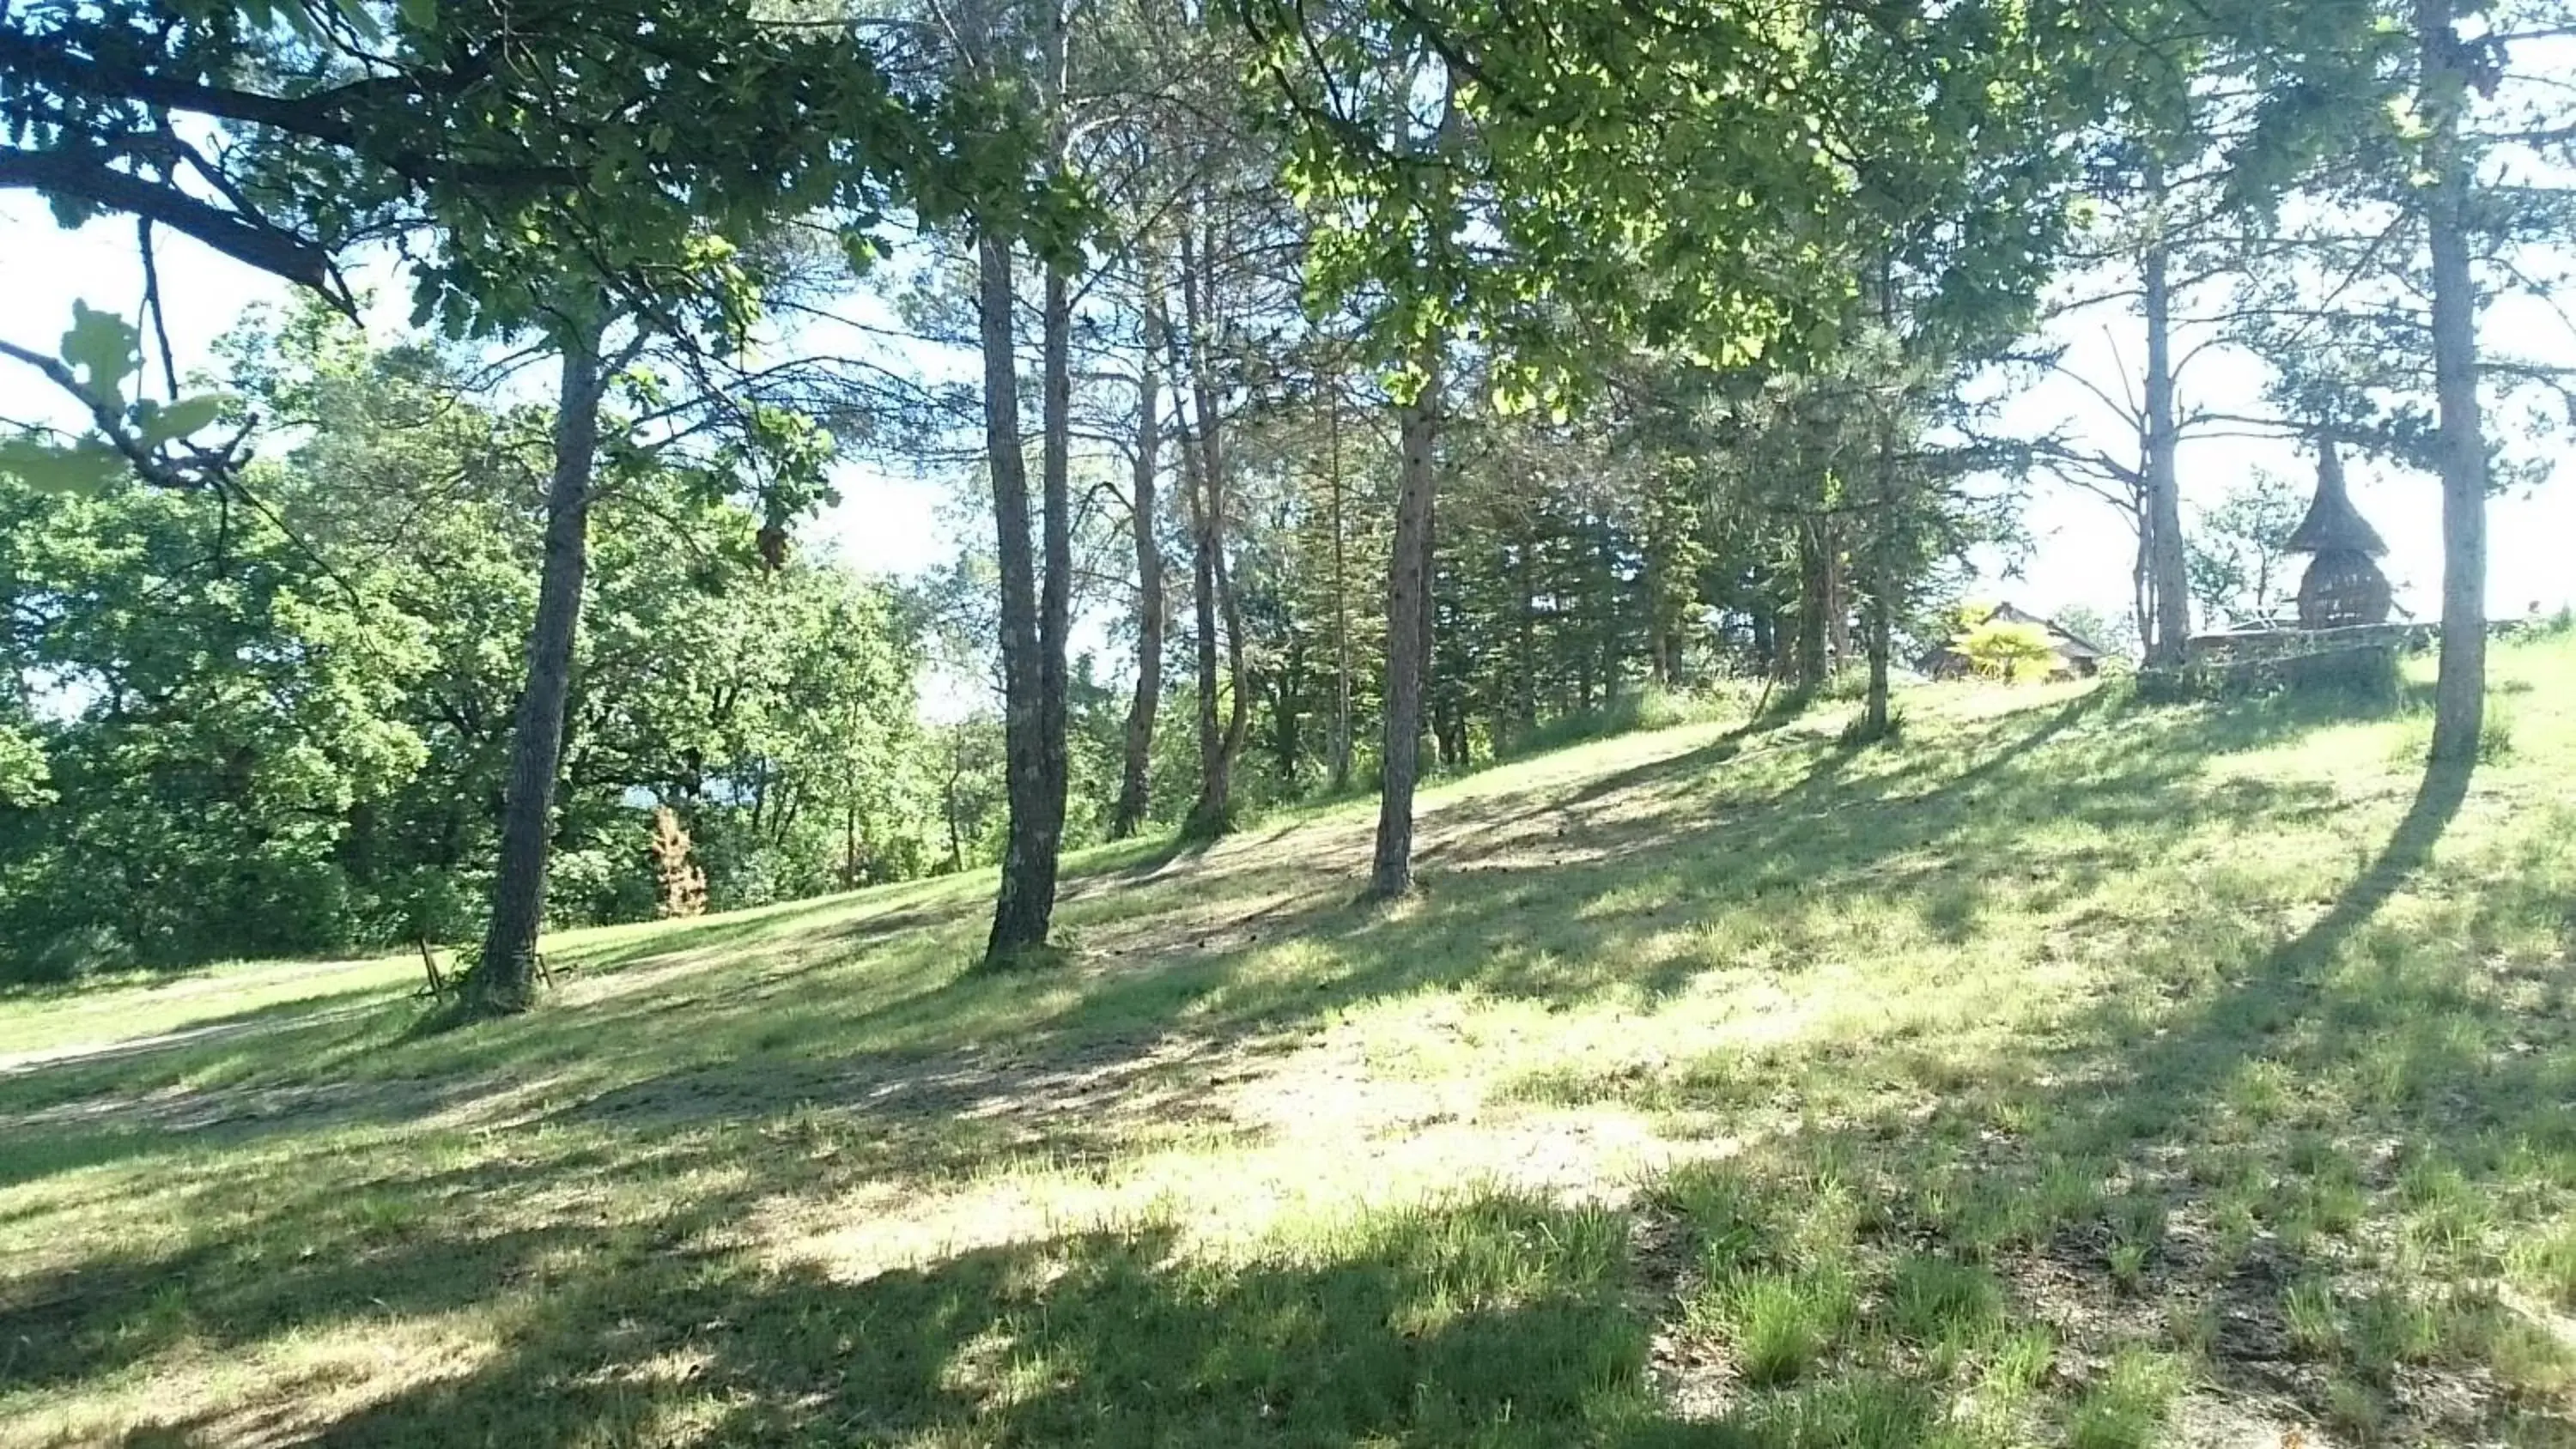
(2072, 1072)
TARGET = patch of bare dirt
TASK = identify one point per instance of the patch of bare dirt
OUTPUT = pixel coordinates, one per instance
(1694, 1378)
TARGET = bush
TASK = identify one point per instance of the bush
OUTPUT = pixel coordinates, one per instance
(2008, 651)
(2368, 675)
(58, 958)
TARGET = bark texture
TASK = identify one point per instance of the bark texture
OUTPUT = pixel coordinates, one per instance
(1204, 473)
(1024, 909)
(504, 979)
(1341, 606)
(1135, 784)
(1036, 592)
(1408, 636)
(2459, 696)
(2168, 576)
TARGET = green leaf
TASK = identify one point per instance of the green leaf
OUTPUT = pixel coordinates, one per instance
(159, 423)
(418, 14)
(88, 467)
(103, 350)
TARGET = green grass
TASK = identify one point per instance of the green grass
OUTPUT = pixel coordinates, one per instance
(2065, 1072)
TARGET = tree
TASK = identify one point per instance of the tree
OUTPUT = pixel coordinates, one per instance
(2008, 651)
(1206, 473)
(504, 975)
(1551, 180)
(533, 142)
(282, 135)
(1023, 58)
(1135, 785)
(2422, 137)
(2239, 553)
(288, 729)
(679, 882)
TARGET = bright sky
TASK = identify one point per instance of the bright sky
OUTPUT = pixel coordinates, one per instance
(892, 524)
(884, 524)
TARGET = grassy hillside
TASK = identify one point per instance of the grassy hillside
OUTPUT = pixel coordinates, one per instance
(2071, 1073)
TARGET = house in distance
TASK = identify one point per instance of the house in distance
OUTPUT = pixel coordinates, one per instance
(2077, 657)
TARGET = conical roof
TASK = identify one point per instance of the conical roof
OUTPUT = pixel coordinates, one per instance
(2333, 525)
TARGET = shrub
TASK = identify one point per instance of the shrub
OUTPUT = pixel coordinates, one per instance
(2368, 676)
(2008, 651)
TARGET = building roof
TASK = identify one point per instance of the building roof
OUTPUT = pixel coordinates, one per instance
(2070, 644)
(2333, 525)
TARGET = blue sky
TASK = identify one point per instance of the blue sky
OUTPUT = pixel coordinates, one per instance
(894, 524)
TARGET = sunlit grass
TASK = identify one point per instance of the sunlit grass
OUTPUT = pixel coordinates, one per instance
(2069, 1072)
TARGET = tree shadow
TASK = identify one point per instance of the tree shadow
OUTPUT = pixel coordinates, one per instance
(1490, 1320)
(940, 1075)
(2339, 1061)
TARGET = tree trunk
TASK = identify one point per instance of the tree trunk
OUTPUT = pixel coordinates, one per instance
(1135, 784)
(849, 845)
(1880, 624)
(1055, 590)
(1610, 610)
(956, 826)
(1881, 630)
(1218, 749)
(2142, 605)
(1408, 633)
(1837, 597)
(2459, 696)
(1024, 908)
(2168, 576)
(1213, 765)
(1287, 712)
(1341, 608)
(1660, 660)
(1525, 634)
(1036, 596)
(1814, 588)
(504, 980)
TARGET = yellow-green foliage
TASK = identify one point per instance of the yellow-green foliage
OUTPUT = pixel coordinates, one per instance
(2008, 651)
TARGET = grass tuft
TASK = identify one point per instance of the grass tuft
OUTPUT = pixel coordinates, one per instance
(2129, 1406)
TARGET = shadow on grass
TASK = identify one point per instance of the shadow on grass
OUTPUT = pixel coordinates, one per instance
(1565, 876)
(2182, 1180)
(912, 1074)
(1496, 1322)
(1488, 1320)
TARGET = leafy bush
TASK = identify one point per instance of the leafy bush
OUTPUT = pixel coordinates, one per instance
(2369, 676)
(2008, 651)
